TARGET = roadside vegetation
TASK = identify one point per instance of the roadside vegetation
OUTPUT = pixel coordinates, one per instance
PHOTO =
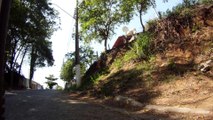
(159, 36)
(162, 66)
(31, 25)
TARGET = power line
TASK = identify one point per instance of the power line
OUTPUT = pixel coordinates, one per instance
(63, 10)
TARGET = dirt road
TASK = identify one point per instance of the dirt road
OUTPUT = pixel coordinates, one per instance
(54, 105)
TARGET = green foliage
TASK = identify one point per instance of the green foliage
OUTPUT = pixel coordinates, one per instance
(152, 23)
(188, 3)
(140, 6)
(99, 18)
(94, 78)
(175, 10)
(205, 2)
(118, 63)
(87, 57)
(67, 72)
(147, 66)
(50, 81)
(72, 88)
(130, 55)
(51, 84)
(31, 25)
(184, 8)
(139, 50)
(171, 64)
(59, 88)
(51, 78)
(91, 81)
(141, 47)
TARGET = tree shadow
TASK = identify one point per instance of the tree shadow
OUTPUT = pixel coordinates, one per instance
(53, 105)
(128, 83)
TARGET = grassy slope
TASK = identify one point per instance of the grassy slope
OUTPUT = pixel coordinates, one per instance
(170, 75)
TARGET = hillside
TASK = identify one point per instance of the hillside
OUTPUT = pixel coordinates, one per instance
(173, 69)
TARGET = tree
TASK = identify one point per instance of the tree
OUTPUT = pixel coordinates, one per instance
(4, 16)
(40, 53)
(67, 72)
(50, 81)
(98, 19)
(31, 25)
(141, 6)
(87, 57)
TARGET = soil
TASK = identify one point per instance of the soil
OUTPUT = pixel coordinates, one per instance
(172, 79)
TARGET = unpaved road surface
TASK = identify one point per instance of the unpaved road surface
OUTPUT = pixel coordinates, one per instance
(54, 105)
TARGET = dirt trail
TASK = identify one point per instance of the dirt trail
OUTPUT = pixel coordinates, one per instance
(178, 109)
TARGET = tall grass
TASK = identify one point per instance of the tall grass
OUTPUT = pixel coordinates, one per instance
(141, 47)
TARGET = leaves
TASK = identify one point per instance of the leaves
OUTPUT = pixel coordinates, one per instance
(51, 78)
(87, 57)
(32, 22)
(67, 72)
(50, 81)
(98, 19)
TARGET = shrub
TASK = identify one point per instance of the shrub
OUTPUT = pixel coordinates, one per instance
(72, 88)
(183, 8)
(205, 1)
(151, 24)
(59, 88)
(141, 47)
(94, 78)
(118, 63)
(130, 55)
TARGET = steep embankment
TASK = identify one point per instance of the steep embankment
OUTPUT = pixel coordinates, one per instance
(177, 71)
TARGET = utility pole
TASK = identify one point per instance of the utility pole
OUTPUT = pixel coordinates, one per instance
(77, 58)
(77, 68)
(4, 19)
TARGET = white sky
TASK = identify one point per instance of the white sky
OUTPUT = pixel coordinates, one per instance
(63, 42)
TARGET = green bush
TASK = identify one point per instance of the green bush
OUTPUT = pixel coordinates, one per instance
(59, 88)
(72, 88)
(118, 63)
(152, 23)
(205, 1)
(130, 55)
(183, 7)
(141, 47)
(94, 78)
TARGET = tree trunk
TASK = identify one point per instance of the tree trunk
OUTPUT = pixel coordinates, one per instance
(12, 63)
(4, 18)
(11, 78)
(105, 45)
(141, 21)
(32, 66)
(25, 52)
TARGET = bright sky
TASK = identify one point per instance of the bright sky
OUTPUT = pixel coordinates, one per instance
(63, 42)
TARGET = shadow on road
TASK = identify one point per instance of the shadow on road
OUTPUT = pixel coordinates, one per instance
(54, 105)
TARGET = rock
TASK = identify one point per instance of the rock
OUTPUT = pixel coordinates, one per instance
(128, 101)
(205, 66)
